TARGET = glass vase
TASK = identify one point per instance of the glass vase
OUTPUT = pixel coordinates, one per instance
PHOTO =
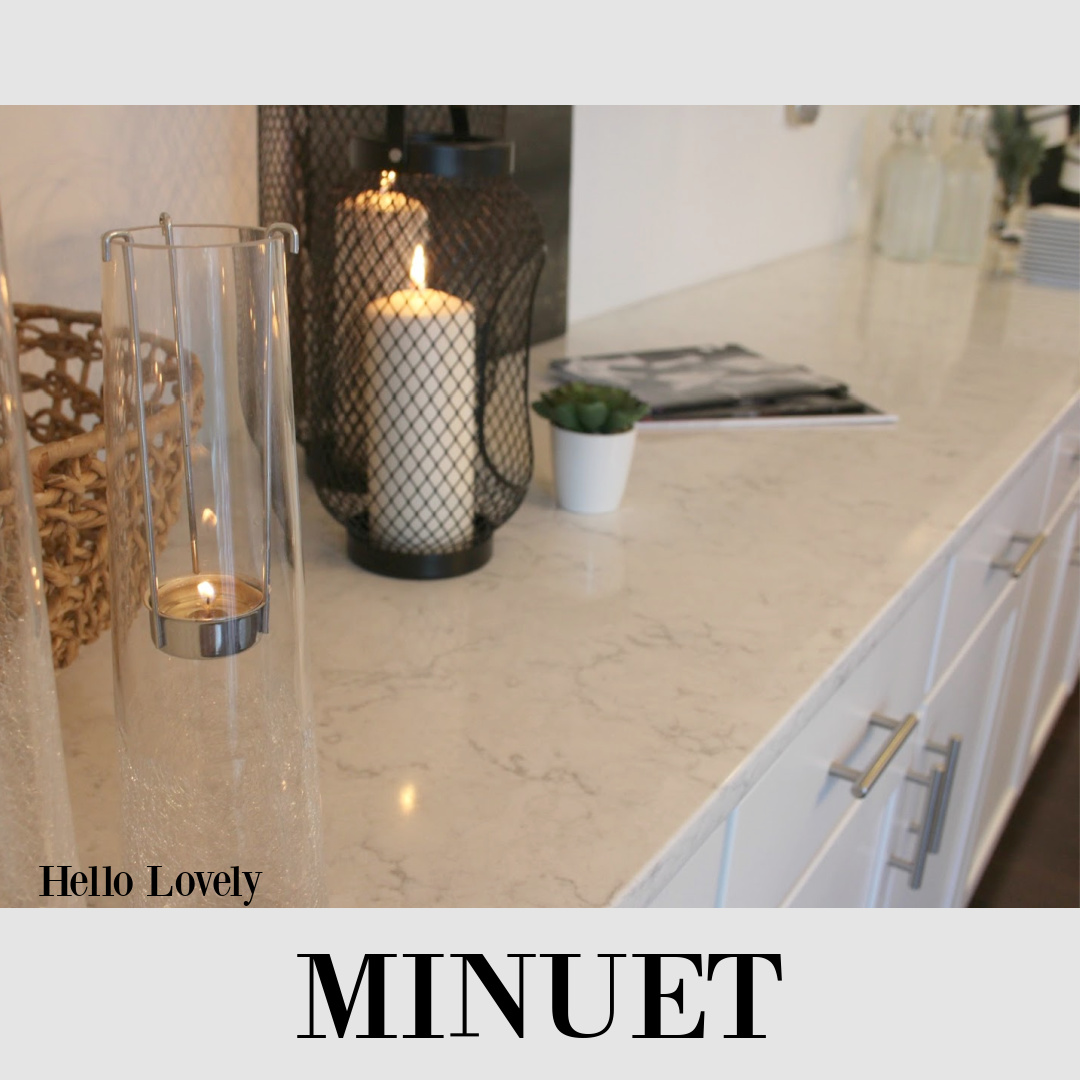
(968, 193)
(911, 196)
(218, 759)
(35, 810)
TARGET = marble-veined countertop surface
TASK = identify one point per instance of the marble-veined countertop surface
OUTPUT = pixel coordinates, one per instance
(561, 726)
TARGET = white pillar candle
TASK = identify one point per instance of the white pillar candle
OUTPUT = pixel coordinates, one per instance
(420, 406)
(375, 235)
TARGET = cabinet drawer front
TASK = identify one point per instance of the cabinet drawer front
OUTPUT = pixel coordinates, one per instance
(1065, 470)
(1028, 687)
(1004, 536)
(846, 871)
(789, 814)
(1059, 675)
(963, 707)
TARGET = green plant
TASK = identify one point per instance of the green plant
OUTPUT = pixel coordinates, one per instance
(590, 408)
(1016, 149)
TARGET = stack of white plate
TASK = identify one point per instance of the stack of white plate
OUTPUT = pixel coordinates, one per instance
(1051, 247)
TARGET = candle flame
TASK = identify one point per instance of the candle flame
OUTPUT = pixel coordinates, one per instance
(418, 270)
(386, 180)
(209, 518)
(206, 591)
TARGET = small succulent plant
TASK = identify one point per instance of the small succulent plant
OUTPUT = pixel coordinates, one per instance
(590, 408)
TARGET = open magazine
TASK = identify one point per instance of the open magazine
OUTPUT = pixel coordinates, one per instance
(722, 386)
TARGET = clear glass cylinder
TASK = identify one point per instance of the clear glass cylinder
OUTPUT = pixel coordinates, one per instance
(911, 198)
(35, 810)
(216, 737)
(901, 131)
(967, 194)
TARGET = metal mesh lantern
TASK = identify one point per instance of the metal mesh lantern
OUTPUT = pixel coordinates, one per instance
(306, 151)
(424, 266)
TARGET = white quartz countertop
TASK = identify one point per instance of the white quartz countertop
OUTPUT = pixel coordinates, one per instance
(555, 728)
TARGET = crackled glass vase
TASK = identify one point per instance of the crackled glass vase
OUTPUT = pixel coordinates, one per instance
(35, 810)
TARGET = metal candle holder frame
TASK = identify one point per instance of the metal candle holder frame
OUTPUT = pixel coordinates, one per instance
(485, 247)
(184, 637)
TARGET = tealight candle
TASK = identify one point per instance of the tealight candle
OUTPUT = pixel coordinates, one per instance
(208, 596)
(420, 406)
(205, 615)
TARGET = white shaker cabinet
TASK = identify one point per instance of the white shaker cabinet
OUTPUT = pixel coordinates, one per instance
(837, 774)
(1063, 649)
(1030, 702)
(935, 826)
(896, 790)
(1060, 607)
(1001, 535)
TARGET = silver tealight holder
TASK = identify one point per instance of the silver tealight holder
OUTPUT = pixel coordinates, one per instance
(205, 613)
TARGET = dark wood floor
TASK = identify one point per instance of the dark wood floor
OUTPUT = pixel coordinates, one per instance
(1037, 860)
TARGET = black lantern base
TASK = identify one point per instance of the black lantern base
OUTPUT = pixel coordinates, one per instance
(415, 567)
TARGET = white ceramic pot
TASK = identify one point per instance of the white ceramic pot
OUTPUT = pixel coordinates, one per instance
(591, 470)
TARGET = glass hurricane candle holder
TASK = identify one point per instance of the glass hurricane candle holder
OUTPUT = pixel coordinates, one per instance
(213, 704)
(35, 811)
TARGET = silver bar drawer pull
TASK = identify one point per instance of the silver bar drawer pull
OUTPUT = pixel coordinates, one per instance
(862, 782)
(952, 755)
(1020, 565)
(915, 867)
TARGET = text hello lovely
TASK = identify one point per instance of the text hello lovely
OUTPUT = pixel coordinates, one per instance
(103, 881)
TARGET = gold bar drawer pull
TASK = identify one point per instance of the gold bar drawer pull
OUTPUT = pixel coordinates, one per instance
(862, 782)
(1020, 565)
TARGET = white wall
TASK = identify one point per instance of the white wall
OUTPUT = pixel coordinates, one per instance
(663, 197)
(70, 173)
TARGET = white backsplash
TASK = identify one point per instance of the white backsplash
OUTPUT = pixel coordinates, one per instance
(69, 173)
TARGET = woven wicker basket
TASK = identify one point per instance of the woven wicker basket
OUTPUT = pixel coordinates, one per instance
(60, 351)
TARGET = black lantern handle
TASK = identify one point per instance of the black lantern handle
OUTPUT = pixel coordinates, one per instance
(395, 131)
(457, 156)
(459, 120)
(395, 123)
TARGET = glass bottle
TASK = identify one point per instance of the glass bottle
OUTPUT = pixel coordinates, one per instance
(36, 827)
(216, 736)
(912, 194)
(900, 126)
(968, 192)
